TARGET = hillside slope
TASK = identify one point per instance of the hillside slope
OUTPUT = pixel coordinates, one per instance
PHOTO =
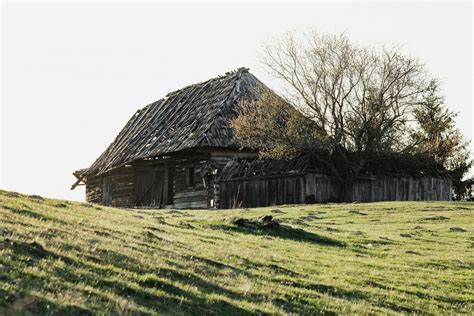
(60, 257)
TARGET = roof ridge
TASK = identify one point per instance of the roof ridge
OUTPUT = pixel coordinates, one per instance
(227, 74)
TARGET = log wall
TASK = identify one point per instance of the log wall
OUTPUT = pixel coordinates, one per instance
(94, 190)
(218, 160)
(185, 196)
(122, 188)
(320, 188)
(205, 192)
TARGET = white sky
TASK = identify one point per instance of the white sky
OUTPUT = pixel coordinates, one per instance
(74, 73)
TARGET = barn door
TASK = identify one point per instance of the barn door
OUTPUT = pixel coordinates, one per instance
(149, 187)
(107, 191)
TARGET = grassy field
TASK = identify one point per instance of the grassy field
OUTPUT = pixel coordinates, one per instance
(59, 257)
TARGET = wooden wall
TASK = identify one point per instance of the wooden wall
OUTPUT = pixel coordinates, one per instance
(124, 180)
(185, 196)
(320, 188)
(255, 192)
(262, 192)
(402, 189)
(213, 189)
(122, 187)
(205, 192)
(94, 190)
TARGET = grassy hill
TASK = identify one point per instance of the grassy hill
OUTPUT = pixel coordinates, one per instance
(60, 257)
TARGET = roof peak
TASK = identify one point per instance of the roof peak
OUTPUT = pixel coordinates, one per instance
(231, 73)
(238, 70)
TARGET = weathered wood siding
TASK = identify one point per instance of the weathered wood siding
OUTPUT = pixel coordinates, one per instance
(94, 190)
(137, 185)
(219, 159)
(262, 191)
(195, 196)
(320, 188)
(122, 191)
(205, 191)
(402, 189)
(151, 187)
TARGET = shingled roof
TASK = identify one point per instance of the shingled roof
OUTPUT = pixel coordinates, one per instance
(195, 116)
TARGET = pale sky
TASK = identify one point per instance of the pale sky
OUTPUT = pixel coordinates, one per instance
(74, 73)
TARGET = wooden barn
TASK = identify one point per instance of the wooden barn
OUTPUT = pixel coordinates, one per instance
(180, 152)
(170, 152)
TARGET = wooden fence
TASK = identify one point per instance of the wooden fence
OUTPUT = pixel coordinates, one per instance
(320, 188)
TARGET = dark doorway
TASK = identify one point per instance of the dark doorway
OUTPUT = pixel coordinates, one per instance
(107, 191)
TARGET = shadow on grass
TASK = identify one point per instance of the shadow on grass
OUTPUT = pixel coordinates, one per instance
(162, 290)
(32, 214)
(328, 290)
(27, 251)
(166, 279)
(284, 232)
(272, 268)
(302, 306)
(174, 299)
(32, 305)
(418, 294)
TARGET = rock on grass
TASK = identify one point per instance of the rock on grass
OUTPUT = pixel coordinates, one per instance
(266, 221)
(457, 229)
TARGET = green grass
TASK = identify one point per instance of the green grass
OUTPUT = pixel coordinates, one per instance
(60, 257)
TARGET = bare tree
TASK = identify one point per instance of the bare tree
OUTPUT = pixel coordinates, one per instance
(352, 101)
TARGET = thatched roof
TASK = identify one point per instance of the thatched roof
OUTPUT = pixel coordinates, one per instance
(195, 116)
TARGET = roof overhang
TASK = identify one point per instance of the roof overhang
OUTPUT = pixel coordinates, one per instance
(81, 178)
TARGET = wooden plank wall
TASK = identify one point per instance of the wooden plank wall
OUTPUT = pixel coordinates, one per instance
(262, 192)
(320, 188)
(205, 192)
(123, 181)
(402, 189)
(94, 190)
(218, 161)
(123, 189)
(189, 197)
